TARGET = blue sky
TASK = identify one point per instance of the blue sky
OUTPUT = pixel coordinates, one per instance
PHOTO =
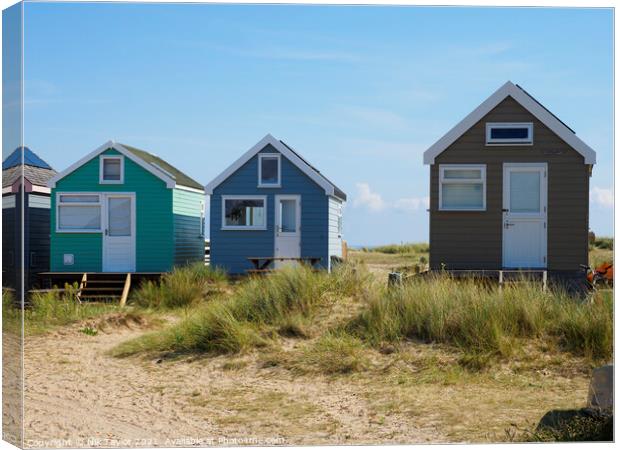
(361, 92)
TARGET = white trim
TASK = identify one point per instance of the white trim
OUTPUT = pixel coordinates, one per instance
(262, 156)
(42, 189)
(7, 189)
(483, 179)
(83, 230)
(102, 160)
(509, 89)
(292, 157)
(243, 197)
(106, 196)
(529, 140)
(543, 215)
(190, 189)
(170, 183)
(278, 219)
(8, 201)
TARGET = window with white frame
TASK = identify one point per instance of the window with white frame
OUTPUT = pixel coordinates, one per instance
(462, 187)
(244, 212)
(78, 213)
(269, 170)
(111, 169)
(500, 133)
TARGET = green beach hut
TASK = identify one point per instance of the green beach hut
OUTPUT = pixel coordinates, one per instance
(121, 209)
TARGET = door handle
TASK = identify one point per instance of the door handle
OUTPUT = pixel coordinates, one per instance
(505, 210)
(106, 231)
(508, 224)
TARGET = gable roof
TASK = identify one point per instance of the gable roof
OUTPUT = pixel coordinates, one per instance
(530, 104)
(294, 157)
(34, 169)
(30, 158)
(172, 176)
(36, 175)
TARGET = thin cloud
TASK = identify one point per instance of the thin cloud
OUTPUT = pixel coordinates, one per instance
(602, 196)
(374, 202)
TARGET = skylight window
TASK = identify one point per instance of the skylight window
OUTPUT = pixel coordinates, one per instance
(510, 133)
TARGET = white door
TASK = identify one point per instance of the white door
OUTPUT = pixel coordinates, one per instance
(288, 228)
(525, 215)
(119, 249)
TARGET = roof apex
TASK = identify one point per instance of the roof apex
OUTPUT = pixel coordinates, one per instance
(529, 103)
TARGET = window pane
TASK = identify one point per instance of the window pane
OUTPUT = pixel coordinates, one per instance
(524, 191)
(79, 198)
(474, 174)
(112, 169)
(79, 217)
(250, 213)
(119, 216)
(510, 133)
(269, 170)
(288, 216)
(462, 196)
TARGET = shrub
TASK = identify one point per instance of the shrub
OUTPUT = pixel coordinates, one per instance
(184, 286)
(605, 243)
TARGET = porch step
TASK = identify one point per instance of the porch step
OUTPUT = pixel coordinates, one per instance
(100, 286)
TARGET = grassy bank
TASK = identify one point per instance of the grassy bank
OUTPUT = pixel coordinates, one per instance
(480, 321)
(256, 311)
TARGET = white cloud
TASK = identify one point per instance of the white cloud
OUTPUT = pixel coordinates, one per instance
(602, 196)
(365, 197)
(374, 202)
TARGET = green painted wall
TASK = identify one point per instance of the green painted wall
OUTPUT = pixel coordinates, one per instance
(154, 220)
(188, 240)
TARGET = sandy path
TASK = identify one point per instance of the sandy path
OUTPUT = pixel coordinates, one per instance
(76, 395)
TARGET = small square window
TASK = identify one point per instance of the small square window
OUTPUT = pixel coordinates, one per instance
(462, 187)
(500, 133)
(269, 170)
(111, 169)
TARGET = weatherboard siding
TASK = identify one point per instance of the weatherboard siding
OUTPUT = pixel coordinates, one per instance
(335, 239)
(230, 248)
(154, 220)
(473, 240)
(189, 244)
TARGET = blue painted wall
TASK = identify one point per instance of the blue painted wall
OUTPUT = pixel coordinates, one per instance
(230, 248)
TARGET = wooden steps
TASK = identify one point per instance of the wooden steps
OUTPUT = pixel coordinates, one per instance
(105, 286)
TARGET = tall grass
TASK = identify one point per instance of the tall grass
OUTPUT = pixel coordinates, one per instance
(484, 320)
(257, 307)
(393, 249)
(184, 286)
(50, 309)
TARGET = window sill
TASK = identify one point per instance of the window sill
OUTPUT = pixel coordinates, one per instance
(243, 229)
(80, 231)
(461, 210)
(269, 186)
(509, 144)
(111, 182)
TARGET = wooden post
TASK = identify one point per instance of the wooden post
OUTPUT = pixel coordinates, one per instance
(125, 290)
(501, 280)
(545, 281)
(82, 286)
